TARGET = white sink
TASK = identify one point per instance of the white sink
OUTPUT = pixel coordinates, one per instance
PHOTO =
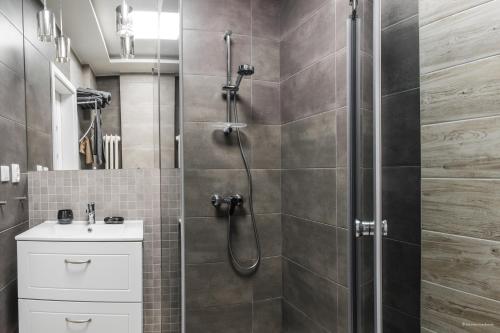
(80, 231)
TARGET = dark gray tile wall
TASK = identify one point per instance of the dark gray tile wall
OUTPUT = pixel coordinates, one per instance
(13, 149)
(459, 133)
(111, 119)
(218, 300)
(313, 145)
(401, 165)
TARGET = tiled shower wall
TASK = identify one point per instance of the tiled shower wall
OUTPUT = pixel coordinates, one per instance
(401, 166)
(460, 84)
(313, 114)
(217, 299)
(133, 194)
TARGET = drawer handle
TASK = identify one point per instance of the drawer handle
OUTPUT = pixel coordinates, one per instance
(77, 262)
(78, 321)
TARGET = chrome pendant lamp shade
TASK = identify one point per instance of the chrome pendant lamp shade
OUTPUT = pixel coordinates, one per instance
(127, 46)
(46, 24)
(63, 47)
(124, 20)
(125, 29)
(63, 43)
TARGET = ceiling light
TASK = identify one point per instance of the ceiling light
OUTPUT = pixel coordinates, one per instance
(127, 44)
(46, 24)
(124, 20)
(154, 25)
(63, 43)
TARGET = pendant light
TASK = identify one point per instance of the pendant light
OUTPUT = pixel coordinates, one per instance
(63, 43)
(124, 20)
(46, 24)
(127, 43)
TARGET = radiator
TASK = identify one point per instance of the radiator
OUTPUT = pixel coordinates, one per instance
(112, 151)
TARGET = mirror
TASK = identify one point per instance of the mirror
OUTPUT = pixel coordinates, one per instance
(114, 104)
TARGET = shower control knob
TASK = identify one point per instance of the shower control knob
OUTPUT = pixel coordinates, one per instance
(236, 200)
(217, 200)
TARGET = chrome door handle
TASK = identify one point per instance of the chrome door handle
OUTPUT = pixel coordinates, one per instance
(77, 262)
(85, 321)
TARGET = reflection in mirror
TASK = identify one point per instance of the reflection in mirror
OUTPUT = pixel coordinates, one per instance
(114, 104)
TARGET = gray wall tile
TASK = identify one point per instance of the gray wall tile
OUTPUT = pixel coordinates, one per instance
(205, 52)
(13, 9)
(266, 19)
(310, 42)
(310, 194)
(8, 253)
(295, 12)
(295, 321)
(310, 142)
(205, 101)
(400, 56)
(38, 102)
(207, 15)
(315, 296)
(268, 280)
(12, 44)
(39, 149)
(228, 318)
(394, 11)
(12, 143)
(267, 316)
(206, 147)
(401, 133)
(309, 92)
(206, 238)
(266, 146)
(8, 308)
(266, 59)
(342, 12)
(266, 103)
(312, 245)
(221, 286)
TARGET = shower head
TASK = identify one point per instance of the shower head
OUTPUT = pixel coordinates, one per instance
(244, 70)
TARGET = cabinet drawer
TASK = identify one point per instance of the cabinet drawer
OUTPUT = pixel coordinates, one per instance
(80, 271)
(81, 317)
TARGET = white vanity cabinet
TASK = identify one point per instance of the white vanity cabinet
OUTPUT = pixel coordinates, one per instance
(81, 285)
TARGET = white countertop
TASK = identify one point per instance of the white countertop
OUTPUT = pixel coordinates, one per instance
(80, 231)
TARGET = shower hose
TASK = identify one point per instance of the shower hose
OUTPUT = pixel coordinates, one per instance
(236, 263)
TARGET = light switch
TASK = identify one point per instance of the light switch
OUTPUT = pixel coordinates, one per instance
(16, 173)
(4, 173)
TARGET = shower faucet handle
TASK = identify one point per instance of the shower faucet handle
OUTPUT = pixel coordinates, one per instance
(232, 200)
(217, 200)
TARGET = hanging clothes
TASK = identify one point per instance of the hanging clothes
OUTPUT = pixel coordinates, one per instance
(86, 150)
(99, 144)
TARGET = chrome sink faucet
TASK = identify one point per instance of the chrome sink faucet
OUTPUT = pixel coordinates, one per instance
(91, 213)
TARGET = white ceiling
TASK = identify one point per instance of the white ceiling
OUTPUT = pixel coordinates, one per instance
(91, 26)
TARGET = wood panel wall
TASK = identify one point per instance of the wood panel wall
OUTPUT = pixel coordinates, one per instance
(460, 134)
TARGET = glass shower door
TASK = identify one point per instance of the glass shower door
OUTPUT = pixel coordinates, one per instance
(364, 168)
